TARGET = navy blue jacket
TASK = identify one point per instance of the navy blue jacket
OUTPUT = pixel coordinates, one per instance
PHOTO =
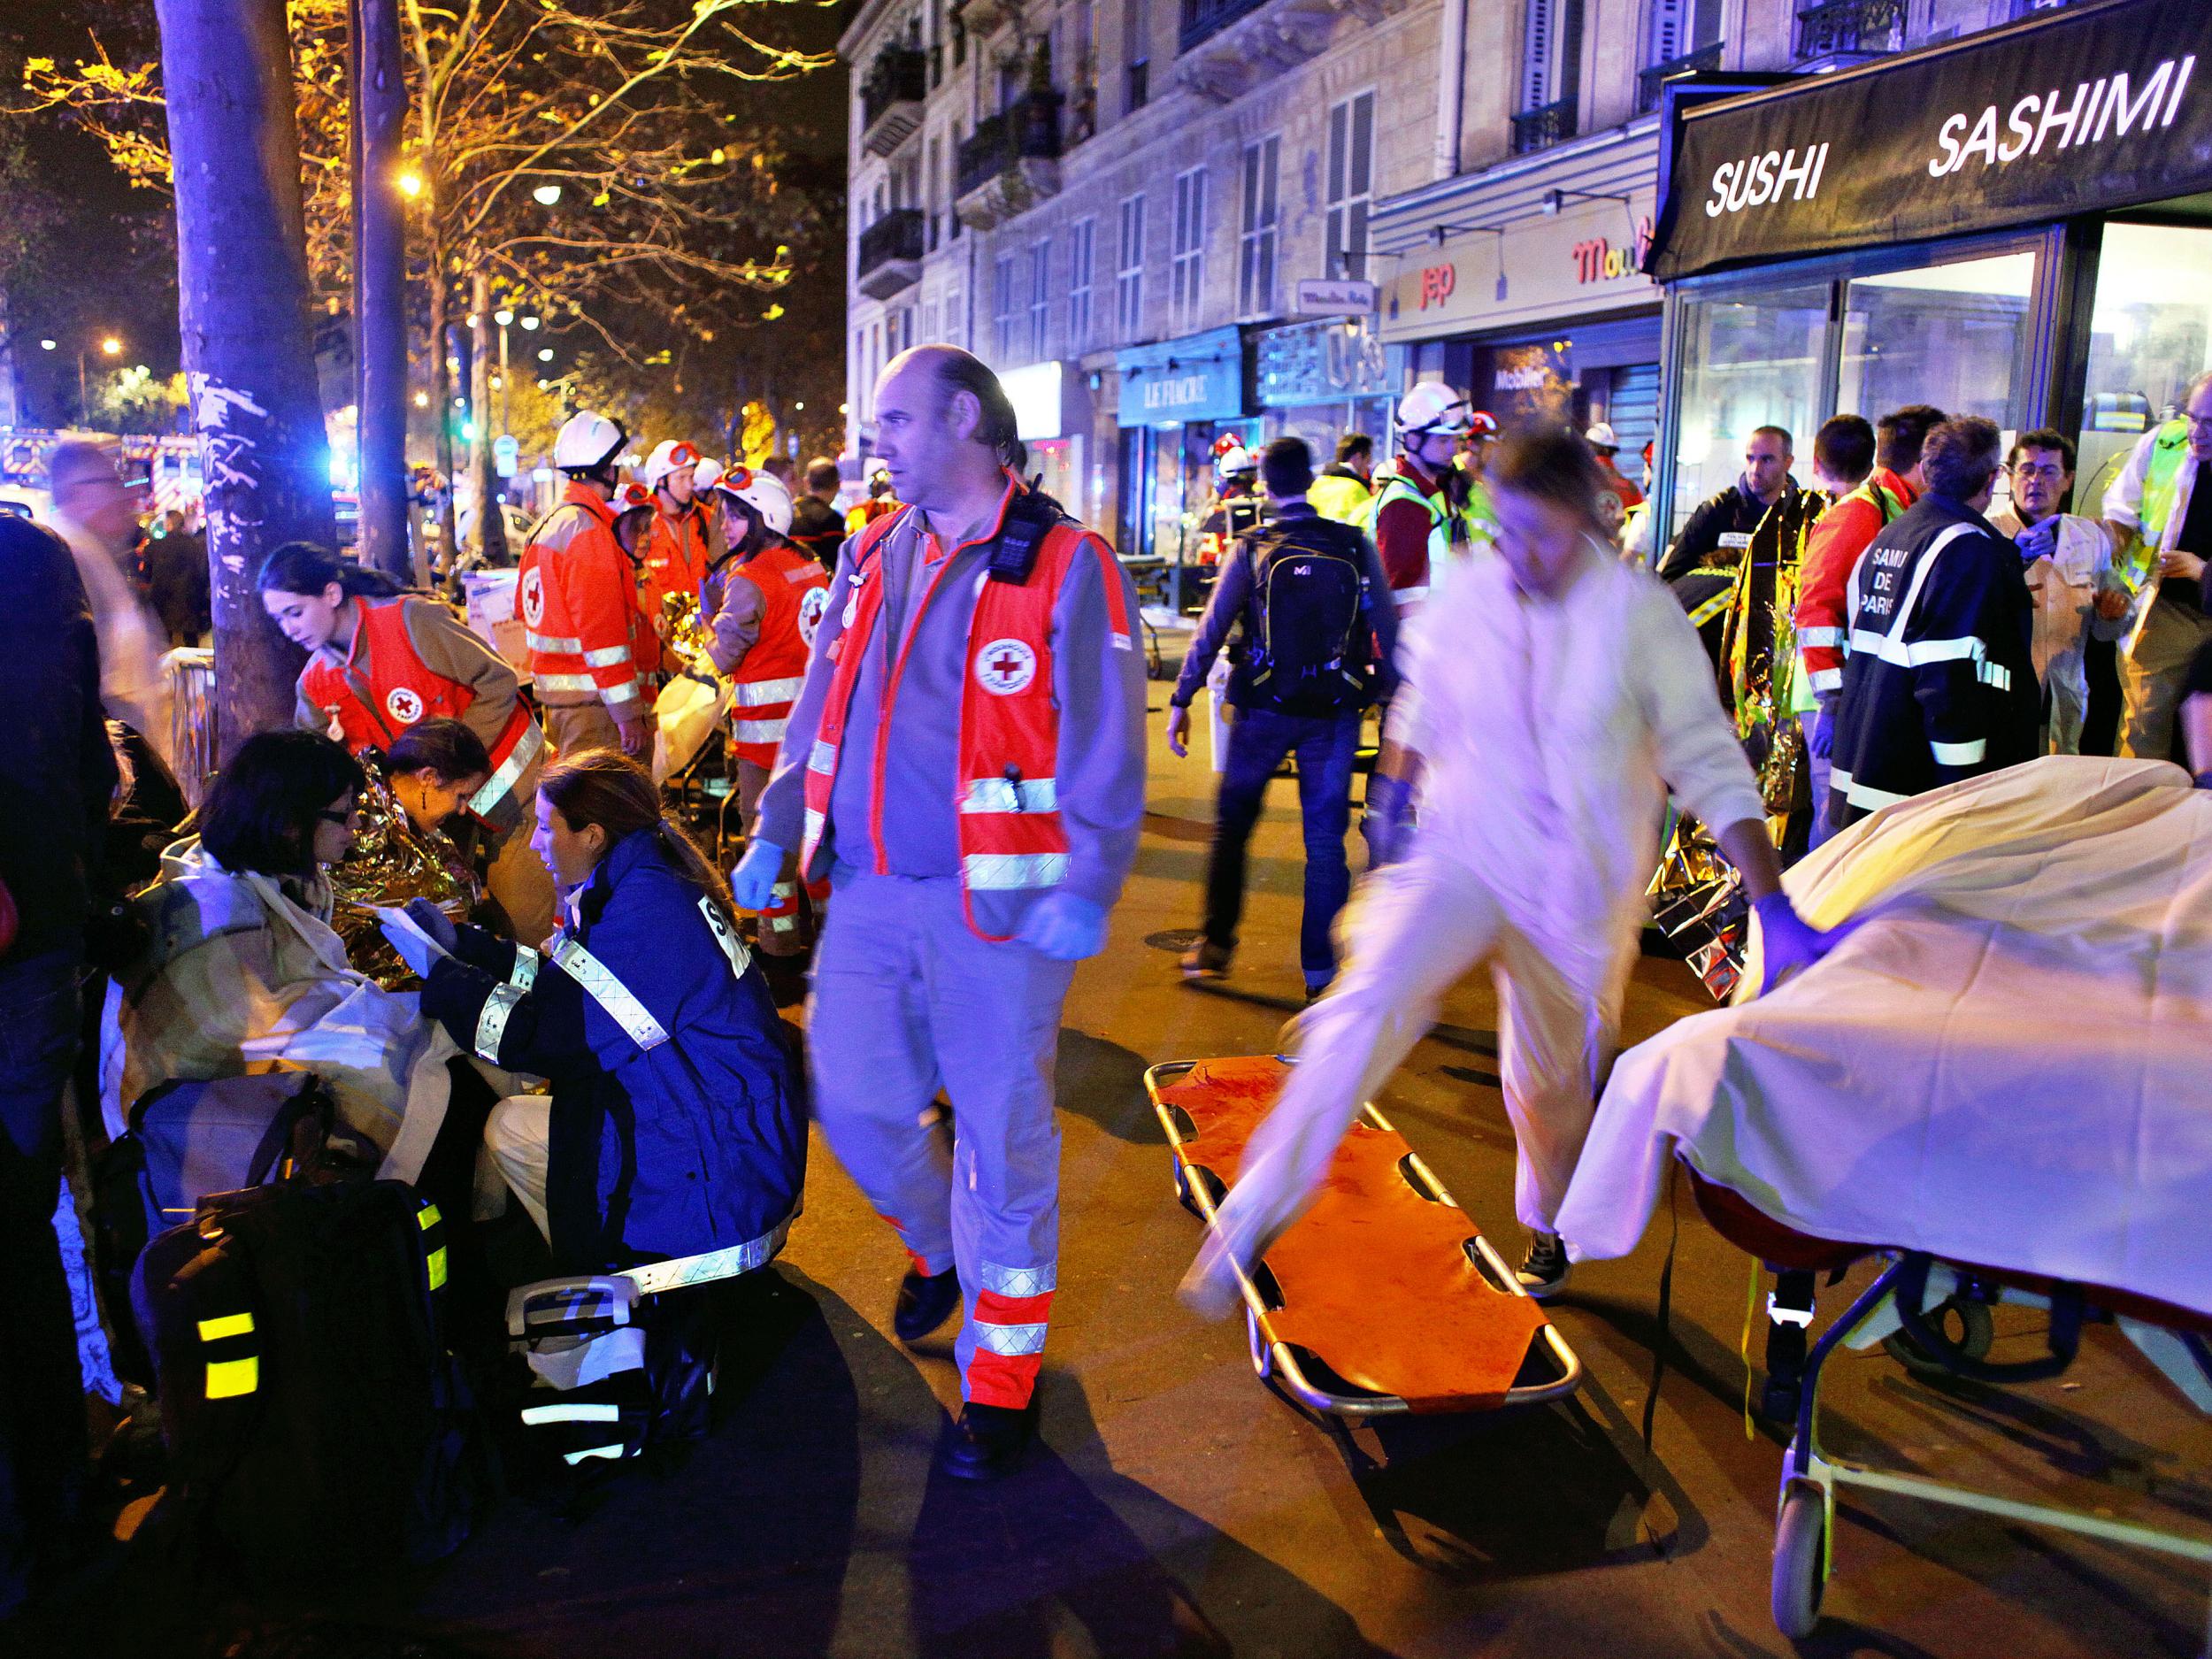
(661, 1147)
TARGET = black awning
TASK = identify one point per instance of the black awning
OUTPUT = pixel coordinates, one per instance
(2101, 107)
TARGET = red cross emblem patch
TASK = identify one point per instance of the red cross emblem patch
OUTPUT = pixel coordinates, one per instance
(403, 705)
(813, 604)
(533, 598)
(1005, 666)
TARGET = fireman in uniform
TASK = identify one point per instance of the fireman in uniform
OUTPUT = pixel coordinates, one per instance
(967, 758)
(1424, 513)
(576, 590)
(667, 538)
(768, 597)
(378, 662)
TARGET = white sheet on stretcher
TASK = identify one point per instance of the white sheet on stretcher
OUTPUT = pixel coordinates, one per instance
(2009, 1063)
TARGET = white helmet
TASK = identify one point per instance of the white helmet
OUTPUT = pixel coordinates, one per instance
(1433, 406)
(1234, 459)
(588, 443)
(763, 495)
(1599, 437)
(670, 454)
(709, 474)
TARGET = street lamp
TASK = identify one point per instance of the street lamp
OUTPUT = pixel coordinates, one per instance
(546, 194)
(530, 322)
(110, 345)
(545, 354)
(411, 184)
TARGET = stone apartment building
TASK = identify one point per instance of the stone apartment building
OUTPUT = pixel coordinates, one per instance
(1154, 219)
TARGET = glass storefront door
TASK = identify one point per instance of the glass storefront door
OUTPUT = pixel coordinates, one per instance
(1749, 359)
(1957, 335)
(2150, 333)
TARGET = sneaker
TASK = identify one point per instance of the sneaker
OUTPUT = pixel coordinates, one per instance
(1206, 960)
(1545, 1268)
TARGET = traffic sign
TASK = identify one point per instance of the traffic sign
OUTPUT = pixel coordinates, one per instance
(506, 454)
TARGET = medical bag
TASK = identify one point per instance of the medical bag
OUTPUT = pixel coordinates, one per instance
(1310, 652)
(315, 1420)
(612, 1371)
(191, 1137)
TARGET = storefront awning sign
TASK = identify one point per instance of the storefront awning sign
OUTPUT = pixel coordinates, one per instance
(2085, 110)
(1199, 377)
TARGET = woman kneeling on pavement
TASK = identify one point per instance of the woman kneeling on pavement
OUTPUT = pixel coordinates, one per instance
(240, 972)
(1552, 698)
(677, 1123)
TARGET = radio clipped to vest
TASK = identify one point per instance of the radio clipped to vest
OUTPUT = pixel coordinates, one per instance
(1029, 517)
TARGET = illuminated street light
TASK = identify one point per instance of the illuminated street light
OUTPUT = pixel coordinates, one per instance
(111, 346)
(503, 316)
(411, 184)
(530, 322)
(546, 194)
(545, 354)
(422, 399)
(45, 345)
(796, 407)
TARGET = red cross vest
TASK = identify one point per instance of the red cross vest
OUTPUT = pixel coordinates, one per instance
(1013, 845)
(373, 709)
(794, 594)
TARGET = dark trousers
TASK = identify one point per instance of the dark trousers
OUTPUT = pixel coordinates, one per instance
(1324, 745)
(42, 1397)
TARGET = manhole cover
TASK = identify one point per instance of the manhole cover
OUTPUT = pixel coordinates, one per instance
(1176, 938)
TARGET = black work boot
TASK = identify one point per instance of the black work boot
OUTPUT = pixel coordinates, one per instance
(925, 1302)
(987, 1443)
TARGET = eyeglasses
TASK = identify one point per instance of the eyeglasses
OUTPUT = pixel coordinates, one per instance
(351, 816)
(2050, 473)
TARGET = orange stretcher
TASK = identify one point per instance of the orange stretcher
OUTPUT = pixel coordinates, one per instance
(1384, 1297)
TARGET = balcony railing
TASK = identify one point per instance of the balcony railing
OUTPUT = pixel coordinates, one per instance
(890, 252)
(891, 98)
(1850, 28)
(1029, 130)
(1648, 81)
(1202, 17)
(1540, 129)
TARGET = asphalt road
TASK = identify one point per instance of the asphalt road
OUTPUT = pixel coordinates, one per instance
(1180, 1508)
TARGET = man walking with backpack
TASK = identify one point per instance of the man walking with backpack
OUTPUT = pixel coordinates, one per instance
(1318, 633)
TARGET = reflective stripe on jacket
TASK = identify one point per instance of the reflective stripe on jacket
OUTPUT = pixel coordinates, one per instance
(794, 593)
(577, 594)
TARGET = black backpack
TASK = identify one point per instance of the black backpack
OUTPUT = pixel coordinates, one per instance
(315, 1421)
(1310, 650)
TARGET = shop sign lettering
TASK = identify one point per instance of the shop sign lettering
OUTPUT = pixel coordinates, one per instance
(1173, 392)
(1437, 283)
(1599, 260)
(2098, 109)
(1756, 180)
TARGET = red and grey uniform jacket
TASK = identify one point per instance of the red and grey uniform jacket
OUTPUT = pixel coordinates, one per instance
(374, 700)
(793, 592)
(576, 590)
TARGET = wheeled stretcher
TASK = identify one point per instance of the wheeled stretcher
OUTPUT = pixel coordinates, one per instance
(1920, 1298)
(1384, 1298)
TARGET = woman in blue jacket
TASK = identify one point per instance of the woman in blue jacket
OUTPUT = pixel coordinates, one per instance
(677, 1123)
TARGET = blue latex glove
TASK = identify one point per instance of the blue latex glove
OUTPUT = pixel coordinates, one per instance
(1786, 942)
(753, 883)
(1064, 927)
(2038, 540)
(412, 949)
(1823, 741)
(1387, 824)
(436, 922)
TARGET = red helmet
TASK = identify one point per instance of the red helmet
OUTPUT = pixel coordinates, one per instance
(1481, 425)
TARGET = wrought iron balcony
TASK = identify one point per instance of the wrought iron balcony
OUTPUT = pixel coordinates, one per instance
(1204, 18)
(891, 253)
(1648, 81)
(1847, 30)
(1540, 129)
(1009, 163)
(891, 98)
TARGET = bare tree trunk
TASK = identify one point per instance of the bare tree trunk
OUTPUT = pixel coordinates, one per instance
(442, 401)
(241, 282)
(380, 288)
(489, 539)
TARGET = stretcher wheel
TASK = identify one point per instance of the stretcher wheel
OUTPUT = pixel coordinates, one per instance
(1263, 1354)
(1799, 1569)
(1966, 1322)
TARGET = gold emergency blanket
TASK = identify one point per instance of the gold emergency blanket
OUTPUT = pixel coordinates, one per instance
(391, 863)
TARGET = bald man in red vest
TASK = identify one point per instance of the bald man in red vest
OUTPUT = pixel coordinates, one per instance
(966, 762)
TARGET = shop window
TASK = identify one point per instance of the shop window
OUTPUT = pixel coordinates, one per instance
(1256, 241)
(1683, 38)
(2150, 332)
(1748, 362)
(1129, 279)
(1040, 298)
(1082, 240)
(1002, 312)
(1955, 335)
(1351, 184)
(1136, 54)
(1551, 52)
(1187, 270)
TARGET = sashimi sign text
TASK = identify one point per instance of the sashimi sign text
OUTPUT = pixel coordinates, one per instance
(2083, 111)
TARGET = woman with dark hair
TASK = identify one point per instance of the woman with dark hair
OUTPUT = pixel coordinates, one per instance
(435, 769)
(1554, 697)
(677, 1125)
(379, 661)
(242, 971)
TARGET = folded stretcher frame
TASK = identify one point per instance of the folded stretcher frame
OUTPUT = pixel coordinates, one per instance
(1384, 1298)
(2174, 1338)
